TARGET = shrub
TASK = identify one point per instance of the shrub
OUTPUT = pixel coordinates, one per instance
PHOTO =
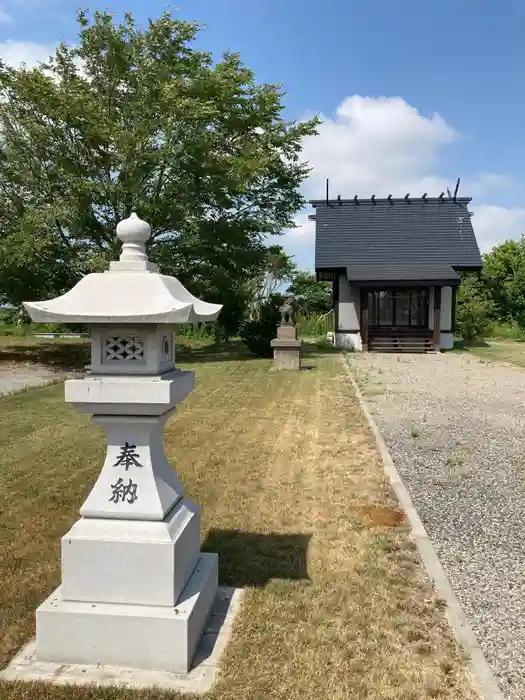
(474, 310)
(13, 330)
(197, 331)
(258, 333)
(315, 325)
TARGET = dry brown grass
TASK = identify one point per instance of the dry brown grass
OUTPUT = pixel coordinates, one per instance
(295, 502)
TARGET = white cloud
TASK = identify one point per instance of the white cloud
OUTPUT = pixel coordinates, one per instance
(375, 145)
(383, 145)
(304, 231)
(494, 224)
(485, 184)
(15, 53)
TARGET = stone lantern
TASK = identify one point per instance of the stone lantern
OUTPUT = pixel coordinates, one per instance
(136, 590)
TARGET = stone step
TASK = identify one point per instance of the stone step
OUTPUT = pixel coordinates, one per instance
(401, 345)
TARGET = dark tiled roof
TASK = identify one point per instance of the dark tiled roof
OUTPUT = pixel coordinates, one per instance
(436, 272)
(394, 232)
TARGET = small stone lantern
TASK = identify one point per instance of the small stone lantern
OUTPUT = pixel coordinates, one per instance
(136, 590)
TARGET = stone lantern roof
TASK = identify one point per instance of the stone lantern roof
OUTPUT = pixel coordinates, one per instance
(132, 291)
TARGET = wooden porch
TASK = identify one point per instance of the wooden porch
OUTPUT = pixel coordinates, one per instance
(397, 320)
(400, 340)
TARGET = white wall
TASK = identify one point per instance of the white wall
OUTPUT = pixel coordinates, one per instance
(431, 308)
(349, 341)
(348, 316)
(446, 341)
(349, 306)
(446, 308)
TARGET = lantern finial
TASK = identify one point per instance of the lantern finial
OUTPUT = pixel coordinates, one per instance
(134, 233)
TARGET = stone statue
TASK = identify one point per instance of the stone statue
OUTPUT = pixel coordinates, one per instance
(288, 312)
(287, 347)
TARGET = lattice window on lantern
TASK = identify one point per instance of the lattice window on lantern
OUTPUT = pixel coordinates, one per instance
(127, 348)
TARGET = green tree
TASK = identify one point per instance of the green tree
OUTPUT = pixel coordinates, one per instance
(139, 119)
(313, 297)
(276, 269)
(504, 270)
(474, 308)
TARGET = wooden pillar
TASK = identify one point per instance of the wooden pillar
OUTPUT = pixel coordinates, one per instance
(437, 317)
(364, 319)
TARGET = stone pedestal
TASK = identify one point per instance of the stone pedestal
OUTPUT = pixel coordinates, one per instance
(136, 590)
(157, 637)
(287, 348)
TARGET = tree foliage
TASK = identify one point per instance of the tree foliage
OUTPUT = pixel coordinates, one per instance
(474, 308)
(276, 269)
(139, 119)
(497, 295)
(504, 269)
(312, 297)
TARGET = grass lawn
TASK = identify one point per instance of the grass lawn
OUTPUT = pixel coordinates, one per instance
(510, 352)
(295, 502)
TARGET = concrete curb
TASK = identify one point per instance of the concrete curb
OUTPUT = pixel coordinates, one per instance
(463, 632)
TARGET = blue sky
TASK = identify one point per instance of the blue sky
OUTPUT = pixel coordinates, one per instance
(413, 93)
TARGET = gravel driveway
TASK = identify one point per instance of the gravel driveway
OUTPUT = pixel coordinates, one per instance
(455, 427)
(19, 377)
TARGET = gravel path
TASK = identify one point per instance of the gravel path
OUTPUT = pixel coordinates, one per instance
(21, 377)
(455, 427)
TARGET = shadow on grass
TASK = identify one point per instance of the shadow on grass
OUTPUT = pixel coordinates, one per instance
(73, 355)
(468, 344)
(236, 351)
(60, 356)
(254, 559)
(312, 348)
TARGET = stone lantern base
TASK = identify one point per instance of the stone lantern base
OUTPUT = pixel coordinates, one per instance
(155, 637)
(287, 349)
(133, 593)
